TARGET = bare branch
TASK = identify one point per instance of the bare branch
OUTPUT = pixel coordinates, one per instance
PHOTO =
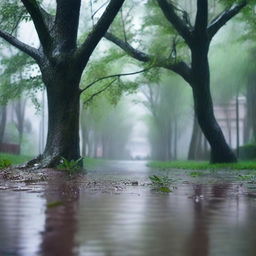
(168, 10)
(91, 9)
(93, 14)
(123, 25)
(136, 54)
(111, 76)
(100, 91)
(37, 14)
(31, 51)
(217, 23)
(85, 51)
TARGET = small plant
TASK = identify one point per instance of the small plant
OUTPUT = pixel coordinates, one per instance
(249, 178)
(195, 174)
(161, 183)
(5, 163)
(70, 166)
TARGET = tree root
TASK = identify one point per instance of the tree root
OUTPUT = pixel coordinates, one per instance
(41, 162)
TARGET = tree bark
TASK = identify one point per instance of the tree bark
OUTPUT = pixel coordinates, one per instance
(220, 151)
(62, 88)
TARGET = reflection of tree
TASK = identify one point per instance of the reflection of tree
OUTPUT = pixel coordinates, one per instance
(199, 241)
(58, 238)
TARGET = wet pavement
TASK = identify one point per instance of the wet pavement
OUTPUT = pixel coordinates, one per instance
(113, 211)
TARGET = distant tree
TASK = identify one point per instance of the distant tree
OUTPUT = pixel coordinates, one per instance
(162, 101)
(61, 61)
(198, 38)
(3, 116)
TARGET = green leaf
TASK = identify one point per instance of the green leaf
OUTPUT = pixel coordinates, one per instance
(165, 189)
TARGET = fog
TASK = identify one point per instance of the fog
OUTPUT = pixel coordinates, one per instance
(155, 120)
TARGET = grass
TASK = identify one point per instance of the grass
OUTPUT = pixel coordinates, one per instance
(92, 162)
(15, 159)
(19, 159)
(200, 165)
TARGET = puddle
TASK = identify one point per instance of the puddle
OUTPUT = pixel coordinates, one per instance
(99, 215)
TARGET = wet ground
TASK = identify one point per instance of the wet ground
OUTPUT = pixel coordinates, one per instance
(113, 211)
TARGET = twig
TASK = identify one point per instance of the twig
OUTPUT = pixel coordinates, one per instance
(100, 91)
(116, 75)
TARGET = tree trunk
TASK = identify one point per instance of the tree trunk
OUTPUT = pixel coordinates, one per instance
(3, 123)
(193, 147)
(250, 127)
(220, 151)
(19, 107)
(63, 120)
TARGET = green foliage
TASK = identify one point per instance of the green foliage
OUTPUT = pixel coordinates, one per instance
(161, 183)
(19, 76)
(5, 163)
(12, 12)
(71, 166)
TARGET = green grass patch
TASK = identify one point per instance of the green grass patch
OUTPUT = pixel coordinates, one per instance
(15, 159)
(92, 162)
(200, 165)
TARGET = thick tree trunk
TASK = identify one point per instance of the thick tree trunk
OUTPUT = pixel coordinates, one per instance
(63, 119)
(63, 124)
(220, 151)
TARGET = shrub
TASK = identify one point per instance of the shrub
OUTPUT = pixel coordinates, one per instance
(247, 152)
(70, 166)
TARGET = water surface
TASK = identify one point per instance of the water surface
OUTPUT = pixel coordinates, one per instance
(114, 219)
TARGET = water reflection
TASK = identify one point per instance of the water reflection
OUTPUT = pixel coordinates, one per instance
(194, 220)
(61, 220)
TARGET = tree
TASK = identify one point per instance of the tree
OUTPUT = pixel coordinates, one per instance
(3, 110)
(161, 99)
(62, 61)
(198, 38)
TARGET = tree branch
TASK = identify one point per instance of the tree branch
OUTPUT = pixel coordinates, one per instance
(87, 48)
(136, 54)
(100, 91)
(180, 68)
(66, 24)
(31, 51)
(169, 12)
(37, 14)
(201, 17)
(217, 23)
(111, 76)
